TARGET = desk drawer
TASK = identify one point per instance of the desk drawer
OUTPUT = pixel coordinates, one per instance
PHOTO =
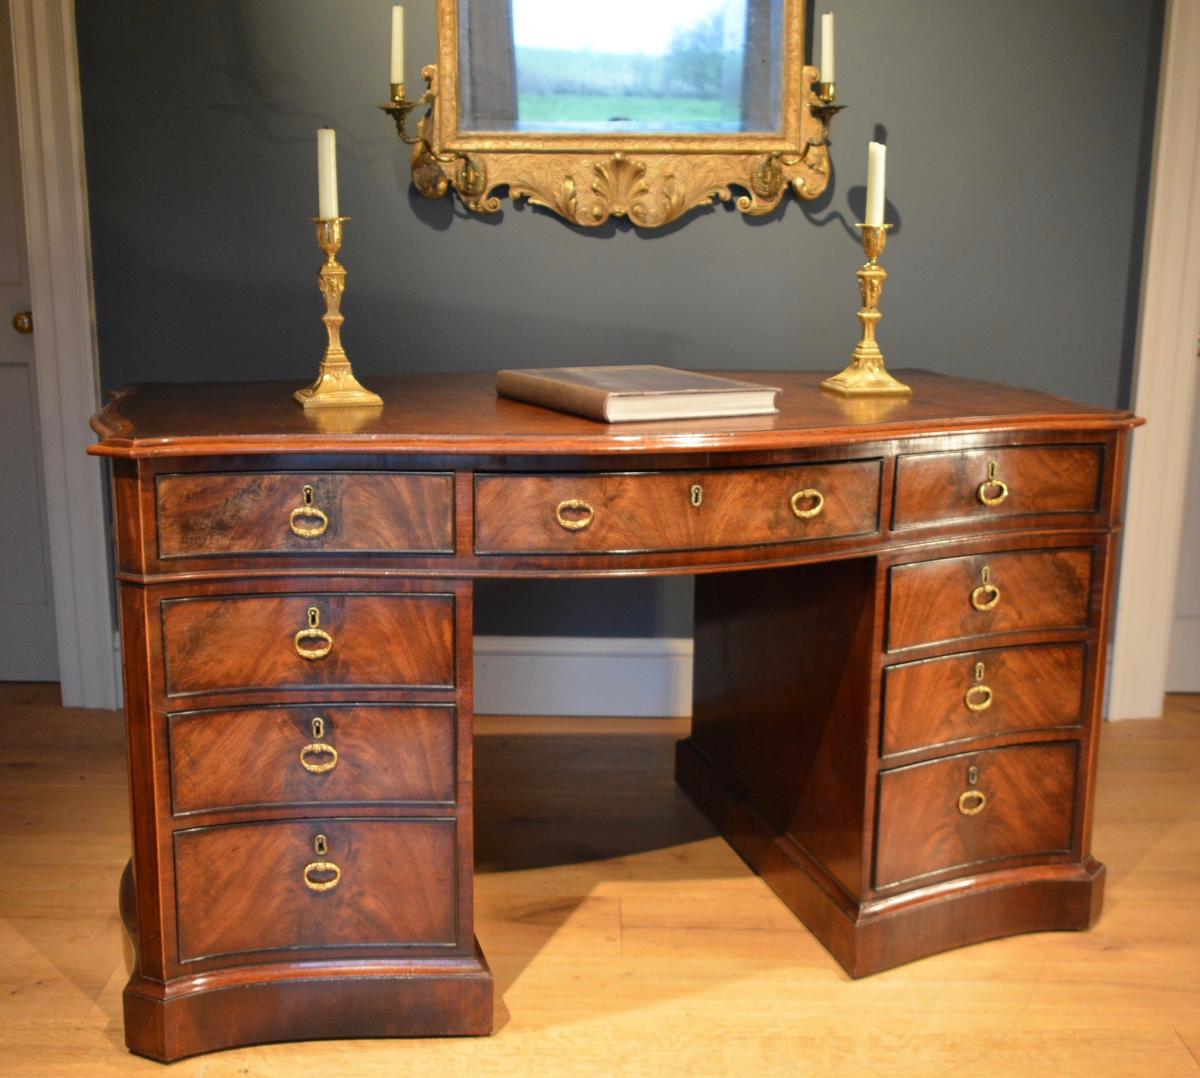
(953, 598)
(977, 693)
(982, 483)
(311, 755)
(933, 817)
(209, 514)
(376, 640)
(244, 888)
(674, 510)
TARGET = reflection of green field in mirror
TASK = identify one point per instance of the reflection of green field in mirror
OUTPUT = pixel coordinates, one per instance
(696, 88)
(566, 109)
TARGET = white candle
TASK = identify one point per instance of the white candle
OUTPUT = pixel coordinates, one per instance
(876, 170)
(397, 45)
(327, 200)
(827, 47)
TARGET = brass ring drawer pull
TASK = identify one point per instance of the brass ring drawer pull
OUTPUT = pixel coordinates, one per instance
(576, 505)
(992, 491)
(308, 511)
(986, 595)
(972, 802)
(319, 885)
(978, 698)
(997, 485)
(814, 496)
(319, 748)
(313, 632)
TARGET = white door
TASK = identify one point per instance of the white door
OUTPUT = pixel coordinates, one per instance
(27, 640)
(1183, 671)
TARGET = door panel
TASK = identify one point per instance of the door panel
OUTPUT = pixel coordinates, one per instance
(28, 649)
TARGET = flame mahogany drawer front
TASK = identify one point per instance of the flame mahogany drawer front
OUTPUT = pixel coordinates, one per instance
(974, 808)
(314, 754)
(620, 513)
(245, 888)
(952, 598)
(205, 514)
(977, 693)
(318, 640)
(983, 483)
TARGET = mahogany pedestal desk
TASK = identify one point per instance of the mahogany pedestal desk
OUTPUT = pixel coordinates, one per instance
(901, 616)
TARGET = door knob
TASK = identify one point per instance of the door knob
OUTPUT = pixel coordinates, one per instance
(22, 321)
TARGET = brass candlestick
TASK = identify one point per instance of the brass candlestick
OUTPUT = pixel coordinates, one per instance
(865, 375)
(336, 385)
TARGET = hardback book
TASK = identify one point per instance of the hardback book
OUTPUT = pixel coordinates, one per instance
(646, 391)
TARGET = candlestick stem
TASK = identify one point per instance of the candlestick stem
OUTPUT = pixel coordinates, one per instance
(336, 385)
(865, 375)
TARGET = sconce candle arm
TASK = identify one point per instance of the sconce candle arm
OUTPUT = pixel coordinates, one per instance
(765, 179)
(400, 107)
(824, 112)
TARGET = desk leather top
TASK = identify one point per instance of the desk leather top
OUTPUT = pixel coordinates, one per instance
(460, 413)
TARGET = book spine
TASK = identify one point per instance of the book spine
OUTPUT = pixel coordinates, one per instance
(581, 400)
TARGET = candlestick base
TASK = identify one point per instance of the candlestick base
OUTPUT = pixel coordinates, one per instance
(336, 387)
(865, 375)
(862, 378)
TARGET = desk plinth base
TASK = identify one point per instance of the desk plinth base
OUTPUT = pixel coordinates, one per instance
(871, 937)
(236, 1007)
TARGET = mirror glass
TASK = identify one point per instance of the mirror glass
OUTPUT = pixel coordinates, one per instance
(627, 66)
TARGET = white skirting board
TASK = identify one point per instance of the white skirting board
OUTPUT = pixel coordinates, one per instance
(588, 675)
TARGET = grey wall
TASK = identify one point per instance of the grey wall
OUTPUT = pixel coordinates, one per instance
(1018, 140)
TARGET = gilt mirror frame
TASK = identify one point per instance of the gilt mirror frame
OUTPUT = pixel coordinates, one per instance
(652, 179)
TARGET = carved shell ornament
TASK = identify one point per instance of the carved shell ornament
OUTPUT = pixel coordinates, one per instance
(650, 192)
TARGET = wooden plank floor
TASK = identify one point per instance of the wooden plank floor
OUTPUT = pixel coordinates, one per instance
(628, 940)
